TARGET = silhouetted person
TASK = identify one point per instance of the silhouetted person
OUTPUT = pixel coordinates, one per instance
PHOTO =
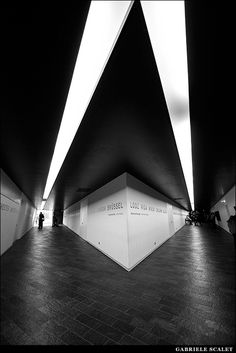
(195, 217)
(204, 216)
(232, 226)
(212, 219)
(41, 219)
(188, 219)
(54, 221)
(201, 217)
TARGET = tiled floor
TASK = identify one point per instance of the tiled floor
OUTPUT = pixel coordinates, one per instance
(58, 290)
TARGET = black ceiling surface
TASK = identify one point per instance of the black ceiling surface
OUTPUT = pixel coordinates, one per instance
(212, 122)
(40, 49)
(126, 127)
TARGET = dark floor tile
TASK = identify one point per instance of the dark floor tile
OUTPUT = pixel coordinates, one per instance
(110, 332)
(14, 335)
(139, 333)
(98, 306)
(16, 300)
(53, 314)
(70, 311)
(87, 301)
(121, 306)
(44, 337)
(81, 306)
(110, 342)
(101, 316)
(172, 309)
(72, 339)
(118, 314)
(130, 341)
(124, 327)
(3, 341)
(69, 301)
(95, 337)
(88, 321)
(28, 325)
(141, 324)
(23, 313)
(165, 342)
(54, 328)
(150, 339)
(183, 292)
(75, 326)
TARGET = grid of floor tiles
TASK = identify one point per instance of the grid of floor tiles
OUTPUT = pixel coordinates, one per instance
(56, 289)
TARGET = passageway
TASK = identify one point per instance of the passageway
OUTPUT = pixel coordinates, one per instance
(58, 289)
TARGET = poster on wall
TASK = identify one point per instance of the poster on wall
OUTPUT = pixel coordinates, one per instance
(9, 217)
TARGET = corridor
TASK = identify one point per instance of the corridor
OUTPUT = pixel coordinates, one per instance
(56, 289)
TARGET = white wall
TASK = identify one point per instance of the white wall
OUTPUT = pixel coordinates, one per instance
(125, 219)
(151, 220)
(179, 216)
(71, 217)
(100, 219)
(170, 219)
(75, 218)
(225, 206)
(9, 215)
(26, 217)
(107, 221)
(83, 218)
(17, 213)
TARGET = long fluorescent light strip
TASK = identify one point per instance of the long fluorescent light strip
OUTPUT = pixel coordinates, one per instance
(165, 21)
(103, 26)
(42, 204)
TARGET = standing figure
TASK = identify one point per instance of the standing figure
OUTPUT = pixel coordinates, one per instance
(41, 219)
(232, 226)
(54, 221)
(212, 219)
(188, 219)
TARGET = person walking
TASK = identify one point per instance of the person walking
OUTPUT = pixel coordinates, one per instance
(54, 221)
(232, 226)
(41, 219)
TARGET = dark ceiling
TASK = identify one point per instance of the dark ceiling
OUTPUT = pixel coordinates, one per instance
(126, 127)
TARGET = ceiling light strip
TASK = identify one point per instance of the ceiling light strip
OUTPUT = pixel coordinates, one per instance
(165, 21)
(103, 26)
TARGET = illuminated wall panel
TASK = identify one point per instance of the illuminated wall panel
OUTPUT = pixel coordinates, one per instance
(17, 213)
(126, 220)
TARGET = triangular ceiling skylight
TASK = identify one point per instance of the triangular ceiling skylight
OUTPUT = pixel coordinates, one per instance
(165, 22)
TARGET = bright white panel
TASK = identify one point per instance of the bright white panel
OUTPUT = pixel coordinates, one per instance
(9, 215)
(107, 220)
(125, 219)
(165, 21)
(25, 219)
(104, 23)
(148, 224)
(71, 217)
